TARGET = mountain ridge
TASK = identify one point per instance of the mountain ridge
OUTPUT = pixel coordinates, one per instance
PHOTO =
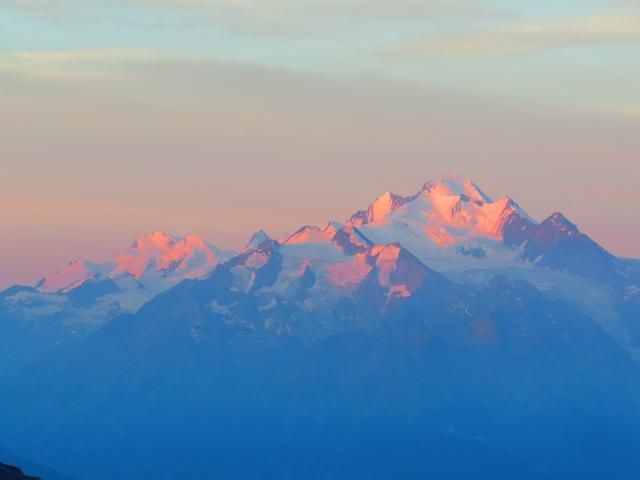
(441, 334)
(450, 226)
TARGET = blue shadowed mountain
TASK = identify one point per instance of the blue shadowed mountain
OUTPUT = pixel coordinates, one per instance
(9, 472)
(557, 243)
(437, 335)
(26, 470)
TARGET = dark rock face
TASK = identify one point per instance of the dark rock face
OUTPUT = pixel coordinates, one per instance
(557, 243)
(344, 239)
(8, 472)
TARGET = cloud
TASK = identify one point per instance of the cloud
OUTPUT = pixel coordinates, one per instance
(382, 8)
(269, 18)
(525, 37)
(454, 8)
(456, 27)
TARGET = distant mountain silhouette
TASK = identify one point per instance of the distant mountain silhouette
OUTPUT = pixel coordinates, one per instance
(8, 472)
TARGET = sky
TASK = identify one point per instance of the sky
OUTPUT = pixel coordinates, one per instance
(222, 117)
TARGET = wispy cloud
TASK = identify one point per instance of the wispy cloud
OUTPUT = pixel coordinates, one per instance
(526, 37)
(454, 8)
(406, 27)
(279, 18)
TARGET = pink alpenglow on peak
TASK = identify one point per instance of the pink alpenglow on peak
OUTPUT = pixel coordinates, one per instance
(453, 185)
(73, 275)
(309, 234)
(161, 254)
(155, 256)
(312, 234)
(329, 262)
(349, 272)
(445, 213)
(379, 210)
(386, 259)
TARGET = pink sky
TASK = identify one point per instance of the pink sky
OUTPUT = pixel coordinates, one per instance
(110, 130)
(84, 176)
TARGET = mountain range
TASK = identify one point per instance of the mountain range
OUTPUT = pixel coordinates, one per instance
(441, 334)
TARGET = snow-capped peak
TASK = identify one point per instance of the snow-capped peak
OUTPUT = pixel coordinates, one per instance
(71, 276)
(451, 212)
(322, 263)
(157, 255)
(162, 254)
(453, 185)
(560, 222)
(385, 204)
(311, 234)
(158, 240)
(256, 239)
(379, 209)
